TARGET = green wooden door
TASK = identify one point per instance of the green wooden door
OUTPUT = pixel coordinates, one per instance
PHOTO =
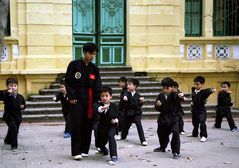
(101, 22)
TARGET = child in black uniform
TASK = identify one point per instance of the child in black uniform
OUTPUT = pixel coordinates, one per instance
(167, 104)
(180, 111)
(108, 122)
(122, 105)
(62, 96)
(14, 103)
(133, 111)
(199, 113)
(224, 107)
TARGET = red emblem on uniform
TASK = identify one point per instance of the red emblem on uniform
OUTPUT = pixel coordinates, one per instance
(92, 76)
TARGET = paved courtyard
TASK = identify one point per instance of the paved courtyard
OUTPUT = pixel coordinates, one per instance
(43, 145)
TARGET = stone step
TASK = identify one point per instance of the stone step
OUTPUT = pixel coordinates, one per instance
(115, 84)
(57, 109)
(147, 96)
(42, 110)
(115, 78)
(115, 90)
(147, 102)
(41, 98)
(46, 104)
(116, 73)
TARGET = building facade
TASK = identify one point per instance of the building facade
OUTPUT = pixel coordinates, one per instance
(177, 38)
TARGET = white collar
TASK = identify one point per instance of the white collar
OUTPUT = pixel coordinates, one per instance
(197, 91)
(132, 93)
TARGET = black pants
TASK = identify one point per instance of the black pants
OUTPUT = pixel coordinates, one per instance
(224, 113)
(121, 120)
(180, 123)
(128, 122)
(199, 119)
(11, 137)
(81, 129)
(105, 135)
(95, 128)
(67, 118)
(164, 130)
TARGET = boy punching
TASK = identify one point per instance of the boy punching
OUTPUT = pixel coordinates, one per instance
(14, 103)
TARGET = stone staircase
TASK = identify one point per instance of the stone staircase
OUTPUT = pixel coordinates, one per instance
(41, 107)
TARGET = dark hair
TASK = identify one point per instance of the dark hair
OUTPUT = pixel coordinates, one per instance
(199, 79)
(175, 84)
(226, 83)
(122, 79)
(167, 82)
(134, 81)
(63, 82)
(106, 89)
(90, 47)
(12, 81)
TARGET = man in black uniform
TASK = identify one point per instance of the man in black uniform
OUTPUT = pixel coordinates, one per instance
(83, 84)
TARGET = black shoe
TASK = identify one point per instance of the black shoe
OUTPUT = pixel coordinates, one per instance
(104, 151)
(6, 142)
(159, 150)
(175, 156)
(14, 149)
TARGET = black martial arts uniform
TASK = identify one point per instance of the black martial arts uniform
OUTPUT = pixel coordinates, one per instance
(224, 110)
(168, 121)
(133, 115)
(199, 113)
(180, 115)
(65, 110)
(12, 115)
(122, 109)
(106, 130)
(83, 84)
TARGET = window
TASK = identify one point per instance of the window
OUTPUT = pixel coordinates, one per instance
(193, 18)
(226, 17)
(8, 26)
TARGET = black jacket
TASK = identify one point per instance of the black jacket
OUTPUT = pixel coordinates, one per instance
(106, 117)
(12, 110)
(133, 105)
(224, 100)
(199, 100)
(122, 103)
(80, 79)
(64, 102)
(169, 107)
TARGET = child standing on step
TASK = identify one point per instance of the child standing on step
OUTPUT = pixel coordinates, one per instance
(108, 122)
(133, 114)
(14, 104)
(62, 96)
(199, 113)
(224, 107)
(167, 104)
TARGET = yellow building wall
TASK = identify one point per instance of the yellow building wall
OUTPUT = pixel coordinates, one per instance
(157, 45)
(42, 29)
